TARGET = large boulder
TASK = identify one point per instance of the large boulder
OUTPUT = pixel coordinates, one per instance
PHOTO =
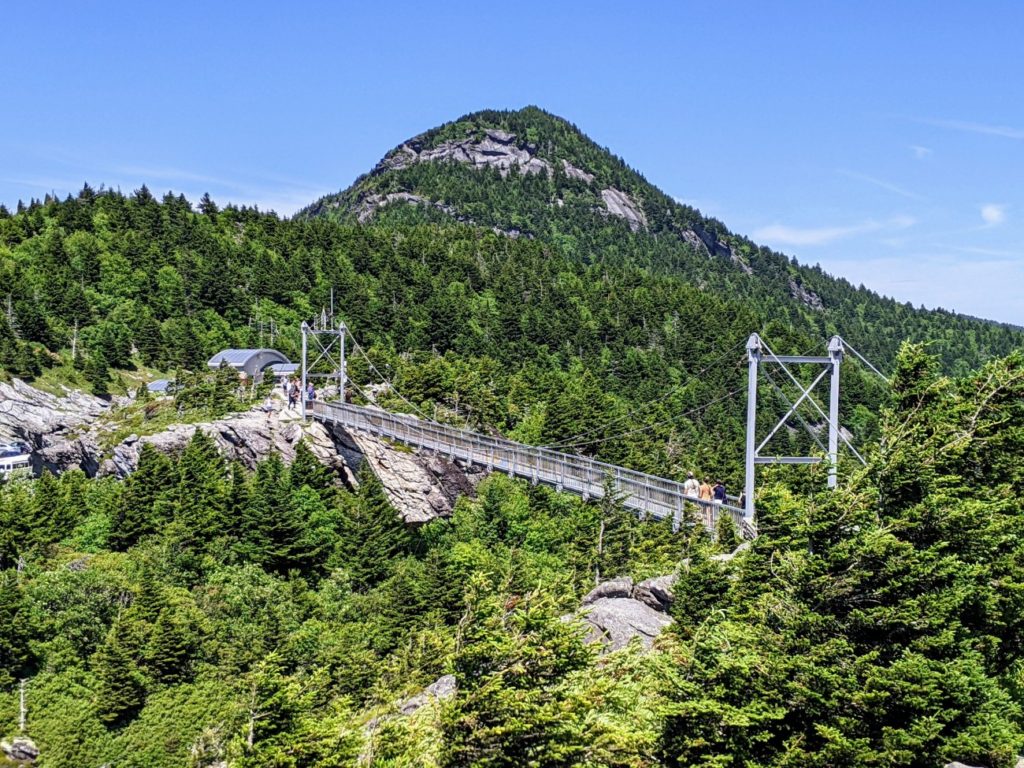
(657, 592)
(615, 621)
(622, 587)
(20, 749)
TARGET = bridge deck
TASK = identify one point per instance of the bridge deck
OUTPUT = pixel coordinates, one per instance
(649, 495)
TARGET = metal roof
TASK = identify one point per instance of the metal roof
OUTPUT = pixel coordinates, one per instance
(284, 367)
(237, 358)
(159, 385)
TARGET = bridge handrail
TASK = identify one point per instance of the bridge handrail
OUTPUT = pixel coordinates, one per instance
(524, 460)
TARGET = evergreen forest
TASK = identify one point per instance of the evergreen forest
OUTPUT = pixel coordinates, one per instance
(200, 614)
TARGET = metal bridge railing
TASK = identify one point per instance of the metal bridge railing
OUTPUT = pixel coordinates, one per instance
(650, 495)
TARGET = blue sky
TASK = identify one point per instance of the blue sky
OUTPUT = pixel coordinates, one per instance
(884, 141)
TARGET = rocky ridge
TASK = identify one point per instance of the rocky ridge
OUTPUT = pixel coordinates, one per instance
(495, 149)
(65, 433)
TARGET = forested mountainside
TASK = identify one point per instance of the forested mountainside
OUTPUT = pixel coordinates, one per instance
(528, 173)
(636, 366)
(199, 615)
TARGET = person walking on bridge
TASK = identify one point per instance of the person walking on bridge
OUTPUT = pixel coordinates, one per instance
(691, 487)
(719, 493)
(705, 498)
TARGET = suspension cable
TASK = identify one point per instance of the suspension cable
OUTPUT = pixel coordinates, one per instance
(390, 385)
(864, 360)
(569, 441)
(669, 420)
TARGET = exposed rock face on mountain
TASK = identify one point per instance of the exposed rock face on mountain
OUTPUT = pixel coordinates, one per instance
(618, 610)
(497, 149)
(56, 428)
(421, 487)
(247, 437)
(801, 294)
(622, 205)
(64, 434)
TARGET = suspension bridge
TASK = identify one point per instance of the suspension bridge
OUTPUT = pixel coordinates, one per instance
(649, 495)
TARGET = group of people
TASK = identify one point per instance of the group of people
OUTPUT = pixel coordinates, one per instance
(704, 490)
(293, 390)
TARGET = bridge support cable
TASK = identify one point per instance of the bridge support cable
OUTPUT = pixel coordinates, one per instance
(759, 354)
(648, 495)
(575, 439)
(847, 345)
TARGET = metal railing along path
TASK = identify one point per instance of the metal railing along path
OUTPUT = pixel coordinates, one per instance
(648, 495)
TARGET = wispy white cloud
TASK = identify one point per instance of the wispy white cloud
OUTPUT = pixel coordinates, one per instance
(784, 234)
(880, 183)
(983, 128)
(993, 214)
(920, 152)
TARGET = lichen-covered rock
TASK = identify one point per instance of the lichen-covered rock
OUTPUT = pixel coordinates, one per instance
(55, 428)
(421, 487)
(247, 437)
(656, 592)
(612, 588)
(497, 149)
(20, 749)
(618, 203)
(615, 621)
(439, 690)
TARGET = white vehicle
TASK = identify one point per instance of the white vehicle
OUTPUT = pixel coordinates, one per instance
(13, 457)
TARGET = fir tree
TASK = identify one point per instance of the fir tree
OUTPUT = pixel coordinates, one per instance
(372, 533)
(121, 689)
(15, 632)
(141, 512)
(307, 470)
(201, 490)
(169, 649)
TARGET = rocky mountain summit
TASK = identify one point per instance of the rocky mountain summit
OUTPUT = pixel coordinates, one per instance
(483, 149)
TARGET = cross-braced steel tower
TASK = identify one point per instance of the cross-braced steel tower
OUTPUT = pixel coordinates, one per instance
(759, 353)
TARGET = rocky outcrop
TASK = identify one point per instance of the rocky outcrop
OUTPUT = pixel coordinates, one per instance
(576, 173)
(618, 203)
(20, 749)
(805, 296)
(616, 611)
(420, 486)
(63, 434)
(55, 428)
(496, 149)
(246, 437)
(439, 690)
(370, 204)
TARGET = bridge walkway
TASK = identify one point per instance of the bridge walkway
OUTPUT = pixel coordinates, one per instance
(648, 495)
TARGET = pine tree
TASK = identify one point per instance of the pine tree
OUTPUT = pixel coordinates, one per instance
(307, 470)
(15, 657)
(372, 534)
(140, 512)
(201, 491)
(169, 649)
(97, 373)
(616, 527)
(121, 689)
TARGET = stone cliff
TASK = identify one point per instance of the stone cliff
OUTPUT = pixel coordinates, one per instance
(67, 433)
